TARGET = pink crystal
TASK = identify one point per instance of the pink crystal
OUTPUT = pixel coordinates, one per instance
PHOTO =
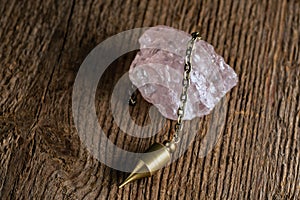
(157, 72)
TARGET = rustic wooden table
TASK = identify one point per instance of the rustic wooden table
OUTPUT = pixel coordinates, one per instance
(42, 46)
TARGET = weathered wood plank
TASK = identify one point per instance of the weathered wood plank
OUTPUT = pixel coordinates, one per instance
(43, 43)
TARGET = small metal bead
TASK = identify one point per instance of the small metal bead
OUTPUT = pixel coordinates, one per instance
(171, 146)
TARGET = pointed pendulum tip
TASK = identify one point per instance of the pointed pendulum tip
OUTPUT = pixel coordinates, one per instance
(140, 171)
(156, 157)
(124, 183)
(128, 180)
(132, 177)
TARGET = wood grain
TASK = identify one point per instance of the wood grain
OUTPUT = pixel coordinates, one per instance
(42, 45)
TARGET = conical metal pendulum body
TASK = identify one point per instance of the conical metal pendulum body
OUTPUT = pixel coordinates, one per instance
(155, 158)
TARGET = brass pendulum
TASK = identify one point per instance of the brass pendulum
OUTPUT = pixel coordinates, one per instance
(155, 158)
(158, 155)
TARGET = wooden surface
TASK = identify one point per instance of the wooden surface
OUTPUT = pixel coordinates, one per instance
(43, 43)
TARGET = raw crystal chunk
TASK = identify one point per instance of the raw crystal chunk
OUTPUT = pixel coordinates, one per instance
(157, 71)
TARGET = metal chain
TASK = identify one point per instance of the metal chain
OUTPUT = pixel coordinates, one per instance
(132, 95)
(185, 85)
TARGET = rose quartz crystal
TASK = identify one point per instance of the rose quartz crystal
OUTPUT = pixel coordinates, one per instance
(157, 72)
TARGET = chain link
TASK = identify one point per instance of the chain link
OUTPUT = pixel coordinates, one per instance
(185, 85)
(132, 95)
